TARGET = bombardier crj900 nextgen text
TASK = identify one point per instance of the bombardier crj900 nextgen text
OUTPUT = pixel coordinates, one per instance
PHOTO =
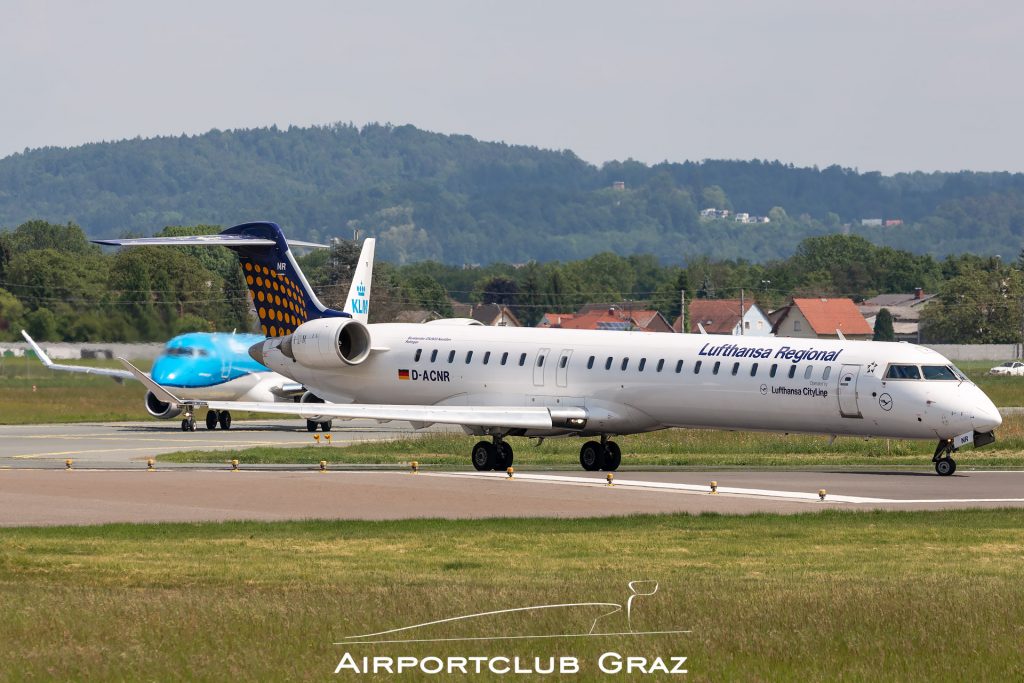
(502, 382)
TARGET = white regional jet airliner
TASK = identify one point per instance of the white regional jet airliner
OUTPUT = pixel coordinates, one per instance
(502, 382)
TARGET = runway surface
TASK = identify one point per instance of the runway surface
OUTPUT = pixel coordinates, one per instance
(49, 496)
(119, 444)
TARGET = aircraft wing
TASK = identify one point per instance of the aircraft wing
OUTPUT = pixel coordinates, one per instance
(517, 417)
(203, 241)
(113, 373)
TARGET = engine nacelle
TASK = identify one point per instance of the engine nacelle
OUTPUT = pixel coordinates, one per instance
(328, 343)
(159, 409)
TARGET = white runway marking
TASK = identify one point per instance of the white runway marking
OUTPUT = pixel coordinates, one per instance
(722, 490)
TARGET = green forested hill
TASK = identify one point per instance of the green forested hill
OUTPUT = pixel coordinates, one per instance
(458, 200)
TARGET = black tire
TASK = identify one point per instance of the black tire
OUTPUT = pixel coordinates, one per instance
(612, 457)
(211, 419)
(184, 424)
(945, 467)
(191, 424)
(326, 426)
(505, 457)
(591, 456)
(310, 426)
(224, 419)
(484, 456)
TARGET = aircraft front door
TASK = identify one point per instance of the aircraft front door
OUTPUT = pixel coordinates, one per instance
(847, 391)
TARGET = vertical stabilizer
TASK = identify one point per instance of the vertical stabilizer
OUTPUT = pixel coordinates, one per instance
(358, 303)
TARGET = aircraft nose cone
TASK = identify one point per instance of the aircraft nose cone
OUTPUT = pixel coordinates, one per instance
(987, 417)
(256, 352)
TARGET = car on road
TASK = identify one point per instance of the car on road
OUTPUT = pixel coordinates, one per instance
(1010, 367)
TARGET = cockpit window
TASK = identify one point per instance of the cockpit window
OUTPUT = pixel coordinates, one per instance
(903, 372)
(186, 351)
(938, 372)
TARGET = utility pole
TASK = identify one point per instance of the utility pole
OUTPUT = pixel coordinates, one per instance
(741, 310)
(682, 311)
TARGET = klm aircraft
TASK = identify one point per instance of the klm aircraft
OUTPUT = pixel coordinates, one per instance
(218, 367)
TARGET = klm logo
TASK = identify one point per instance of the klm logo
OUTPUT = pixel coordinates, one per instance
(360, 305)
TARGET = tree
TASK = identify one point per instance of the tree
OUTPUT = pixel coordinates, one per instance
(883, 326)
(980, 306)
(11, 314)
(42, 325)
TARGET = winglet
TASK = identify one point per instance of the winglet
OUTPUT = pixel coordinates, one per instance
(43, 358)
(158, 391)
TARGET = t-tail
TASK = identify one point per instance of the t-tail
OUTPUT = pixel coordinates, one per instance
(358, 303)
(280, 293)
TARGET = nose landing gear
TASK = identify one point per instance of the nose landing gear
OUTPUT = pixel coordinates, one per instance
(945, 465)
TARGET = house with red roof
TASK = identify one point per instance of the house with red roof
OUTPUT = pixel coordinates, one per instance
(722, 316)
(614, 318)
(821, 319)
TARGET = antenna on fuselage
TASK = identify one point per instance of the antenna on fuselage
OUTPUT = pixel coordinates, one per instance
(701, 328)
(839, 333)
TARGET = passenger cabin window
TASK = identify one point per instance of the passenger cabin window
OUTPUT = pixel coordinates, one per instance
(714, 370)
(679, 367)
(565, 361)
(522, 359)
(753, 370)
(775, 368)
(625, 362)
(696, 367)
(590, 363)
(419, 352)
(608, 363)
(504, 358)
(807, 371)
(792, 371)
(487, 357)
(903, 372)
(661, 364)
(433, 356)
(469, 357)
(540, 361)
(735, 368)
(827, 371)
(643, 362)
(451, 356)
(938, 372)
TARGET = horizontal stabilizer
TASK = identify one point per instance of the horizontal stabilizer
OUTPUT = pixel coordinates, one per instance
(220, 240)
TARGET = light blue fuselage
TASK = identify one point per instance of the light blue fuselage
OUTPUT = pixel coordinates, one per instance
(203, 359)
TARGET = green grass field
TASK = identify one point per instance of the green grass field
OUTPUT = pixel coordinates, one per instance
(925, 596)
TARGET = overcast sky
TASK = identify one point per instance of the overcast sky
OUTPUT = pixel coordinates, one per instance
(888, 86)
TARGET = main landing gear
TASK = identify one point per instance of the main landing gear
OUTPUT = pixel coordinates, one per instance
(492, 456)
(311, 425)
(604, 455)
(215, 417)
(945, 465)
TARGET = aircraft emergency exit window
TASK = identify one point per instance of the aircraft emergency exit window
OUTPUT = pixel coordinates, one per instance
(590, 363)
(643, 362)
(807, 371)
(625, 362)
(540, 361)
(661, 364)
(775, 368)
(565, 361)
(903, 372)
(504, 358)
(826, 372)
(608, 363)
(679, 367)
(451, 356)
(792, 371)
(433, 356)
(696, 367)
(714, 370)
(419, 352)
(937, 372)
(469, 357)
(487, 357)
(522, 359)
(753, 370)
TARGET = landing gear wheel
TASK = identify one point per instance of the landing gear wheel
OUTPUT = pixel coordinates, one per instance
(211, 419)
(591, 456)
(504, 459)
(188, 424)
(325, 426)
(310, 426)
(945, 466)
(224, 418)
(612, 457)
(485, 455)
(184, 424)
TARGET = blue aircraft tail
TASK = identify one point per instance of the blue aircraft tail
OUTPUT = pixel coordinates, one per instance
(279, 291)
